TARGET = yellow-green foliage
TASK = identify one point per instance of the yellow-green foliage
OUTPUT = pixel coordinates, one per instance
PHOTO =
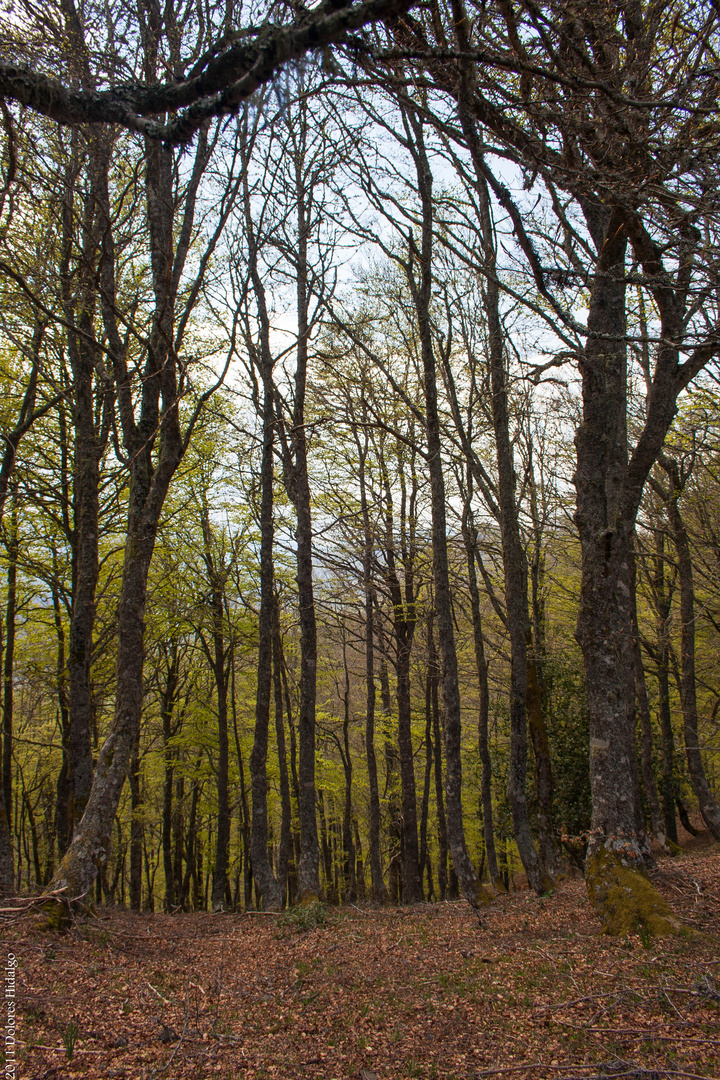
(624, 900)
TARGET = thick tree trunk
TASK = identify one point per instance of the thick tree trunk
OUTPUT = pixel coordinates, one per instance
(80, 302)
(154, 445)
(91, 841)
(618, 849)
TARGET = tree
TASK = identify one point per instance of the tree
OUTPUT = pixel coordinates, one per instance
(149, 380)
(591, 89)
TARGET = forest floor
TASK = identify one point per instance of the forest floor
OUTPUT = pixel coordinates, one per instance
(531, 991)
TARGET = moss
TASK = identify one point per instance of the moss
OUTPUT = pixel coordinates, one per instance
(674, 849)
(56, 917)
(624, 900)
(482, 896)
(309, 898)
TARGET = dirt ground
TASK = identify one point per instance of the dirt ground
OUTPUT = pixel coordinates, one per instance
(530, 991)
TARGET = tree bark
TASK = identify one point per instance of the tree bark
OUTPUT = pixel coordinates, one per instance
(514, 559)
(11, 544)
(376, 874)
(136, 833)
(470, 539)
(708, 806)
(153, 420)
(643, 706)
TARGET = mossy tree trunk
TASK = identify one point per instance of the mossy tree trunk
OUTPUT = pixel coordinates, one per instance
(609, 483)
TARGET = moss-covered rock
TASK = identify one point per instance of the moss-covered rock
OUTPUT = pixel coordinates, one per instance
(624, 900)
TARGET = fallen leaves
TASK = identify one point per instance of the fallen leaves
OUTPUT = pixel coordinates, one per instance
(378, 994)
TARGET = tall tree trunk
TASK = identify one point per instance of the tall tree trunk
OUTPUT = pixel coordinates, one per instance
(618, 844)
(154, 445)
(265, 880)
(63, 793)
(431, 701)
(421, 289)
(91, 428)
(643, 706)
(347, 831)
(376, 874)
(470, 539)
(404, 619)
(11, 544)
(662, 595)
(222, 840)
(136, 833)
(708, 805)
(168, 700)
(440, 800)
(285, 801)
(514, 559)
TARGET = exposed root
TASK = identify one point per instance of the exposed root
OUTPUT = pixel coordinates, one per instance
(60, 912)
(625, 901)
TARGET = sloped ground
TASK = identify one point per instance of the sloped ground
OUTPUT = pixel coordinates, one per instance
(531, 991)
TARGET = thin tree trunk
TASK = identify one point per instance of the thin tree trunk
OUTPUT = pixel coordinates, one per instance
(663, 602)
(136, 834)
(470, 539)
(222, 842)
(11, 543)
(285, 801)
(421, 289)
(431, 691)
(708, 806)
(347, 834)
(64, 780)
(643, 706)
(265, 880)
(167, 705)
(376, 874)
(514, 560)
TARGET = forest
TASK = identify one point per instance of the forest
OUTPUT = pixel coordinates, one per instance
(360, 474)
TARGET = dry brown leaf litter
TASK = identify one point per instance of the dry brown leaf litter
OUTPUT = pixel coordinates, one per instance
(427, 991)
